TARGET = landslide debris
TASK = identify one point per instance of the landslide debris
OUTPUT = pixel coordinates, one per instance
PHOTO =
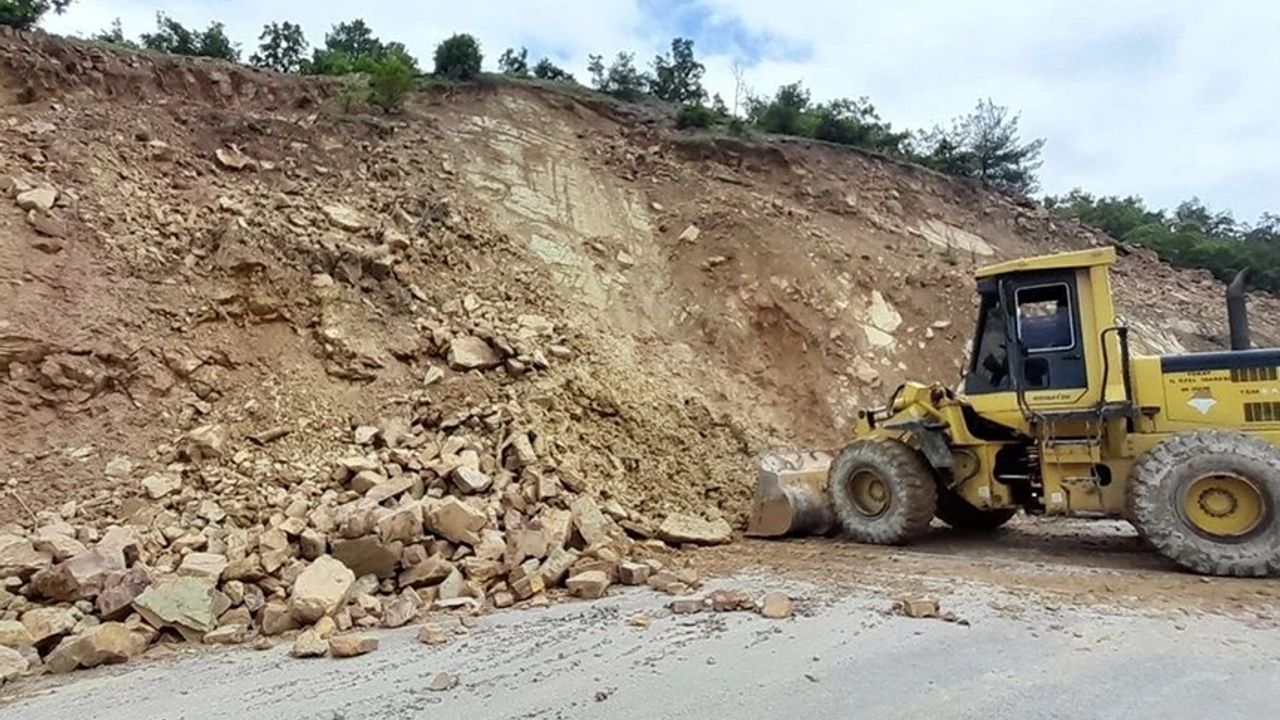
(273, 370)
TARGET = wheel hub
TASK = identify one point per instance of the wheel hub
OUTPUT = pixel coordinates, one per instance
(869, 493)
(1224, 505)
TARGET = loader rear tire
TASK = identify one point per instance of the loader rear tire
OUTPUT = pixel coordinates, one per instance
(883, 492)
(1208, 501)
(959, 514)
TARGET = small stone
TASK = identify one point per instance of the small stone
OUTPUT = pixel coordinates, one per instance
(503, 599)
(776, 606)
(205, 442)
(277, 619)
(309, 644)
(467, 352)
(345, 217)
(631, 573)
(344, 646)
(687, 606)
(38, 198)
(433, 634)
(365, 434)
(431, 571)
(731, 601)
(919, 607)
(233, 158)
(401, 611)
(641, 620)
(690, 234)
(230, 634)
(588, 585)
(161, 485)
(471, 481)
(443, 681)
(201, 564)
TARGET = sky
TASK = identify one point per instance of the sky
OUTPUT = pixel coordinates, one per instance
(1166, 99)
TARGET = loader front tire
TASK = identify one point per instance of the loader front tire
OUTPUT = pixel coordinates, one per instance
(883, 492)
(959, 514)
(1208, 501)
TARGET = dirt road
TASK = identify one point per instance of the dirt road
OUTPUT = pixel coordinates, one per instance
(1056, 622)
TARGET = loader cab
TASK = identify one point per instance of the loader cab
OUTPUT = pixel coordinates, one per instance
(1028, 334)
(1038, 344)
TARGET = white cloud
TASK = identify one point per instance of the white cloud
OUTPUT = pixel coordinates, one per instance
(1161, 98)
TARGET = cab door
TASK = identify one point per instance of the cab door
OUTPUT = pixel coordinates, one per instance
(1029, 337)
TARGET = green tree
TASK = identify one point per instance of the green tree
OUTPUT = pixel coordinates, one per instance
(547, 70)
(172, 37)
(283, 48)
(350, 47)
(677, 77)
(1193, 235)
(458, 57)
(514, 62)
(353, 39)
(786, 114)
(24, 14)
(856, 122)
(986, 145)
(621, 79)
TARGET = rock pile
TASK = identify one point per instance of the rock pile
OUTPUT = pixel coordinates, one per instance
(427, 511)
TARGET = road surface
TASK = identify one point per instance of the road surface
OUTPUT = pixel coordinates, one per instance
(846, 653)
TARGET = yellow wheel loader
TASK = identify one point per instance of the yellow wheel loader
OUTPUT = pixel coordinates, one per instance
(1056, 417)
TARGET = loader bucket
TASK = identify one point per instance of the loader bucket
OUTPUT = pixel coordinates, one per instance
(791, 495)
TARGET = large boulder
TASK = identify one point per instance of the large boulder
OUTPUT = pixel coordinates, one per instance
(14, 634)
(81, 577)
(48, 625)
(116, 601)
(186, 604)
(591, 523)
(681, 528)
(456, 521)
(320, 589)
(366, 556)
(431, 571)
(12, 664)
(104, 644)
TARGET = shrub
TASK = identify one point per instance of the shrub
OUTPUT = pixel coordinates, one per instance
(390, 81)
(695, 116)
(458, 58)
(547, 70)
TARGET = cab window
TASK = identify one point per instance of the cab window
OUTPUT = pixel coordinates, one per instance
(1045, 319)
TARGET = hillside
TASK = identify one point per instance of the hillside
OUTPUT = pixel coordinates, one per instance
(228, 249)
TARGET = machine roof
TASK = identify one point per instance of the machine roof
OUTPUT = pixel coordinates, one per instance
(1077, 259)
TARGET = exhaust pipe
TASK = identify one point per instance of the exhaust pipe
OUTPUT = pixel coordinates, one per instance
(1237, 313)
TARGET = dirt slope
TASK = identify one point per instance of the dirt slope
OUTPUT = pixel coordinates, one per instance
(236, 250)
